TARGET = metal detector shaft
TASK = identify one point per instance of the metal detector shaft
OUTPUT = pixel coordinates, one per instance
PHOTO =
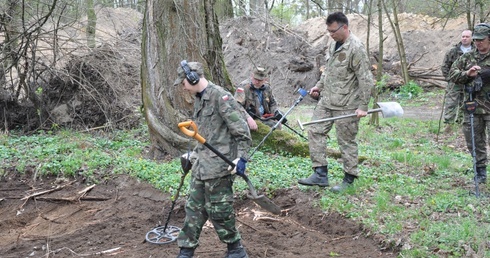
(471, 111)
(292, 129)
(285, 124)
(302, 93)
(176, 196)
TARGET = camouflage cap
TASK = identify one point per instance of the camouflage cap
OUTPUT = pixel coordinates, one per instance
(260, 73)
(481, 31)
(193, 66)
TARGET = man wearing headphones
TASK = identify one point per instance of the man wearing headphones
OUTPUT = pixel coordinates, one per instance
(255, 95)
(470, 66)
(220, 122)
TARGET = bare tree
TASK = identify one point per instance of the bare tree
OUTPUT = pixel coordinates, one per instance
(173, 31)
(398, 38)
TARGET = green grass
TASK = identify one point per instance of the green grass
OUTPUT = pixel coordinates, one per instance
(413, 192)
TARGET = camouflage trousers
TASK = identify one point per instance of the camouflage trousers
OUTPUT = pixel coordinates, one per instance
(209, 199)
(453, 103)
(481, 125)
(346, 132)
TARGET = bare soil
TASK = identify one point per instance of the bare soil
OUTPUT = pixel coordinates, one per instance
(113, 217)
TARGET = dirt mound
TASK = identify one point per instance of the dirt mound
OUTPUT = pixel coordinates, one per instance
(65, 217)
(248, 41)
(101, 87)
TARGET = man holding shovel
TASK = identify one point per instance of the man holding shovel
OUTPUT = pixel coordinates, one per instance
(211, 188)
(346, 85)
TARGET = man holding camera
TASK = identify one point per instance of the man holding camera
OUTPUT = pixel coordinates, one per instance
(472, 70)
(255, 95)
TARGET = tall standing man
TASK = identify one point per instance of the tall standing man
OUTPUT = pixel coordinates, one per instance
(220, 122)
(453, 101)
(346, 85)
(464, 71)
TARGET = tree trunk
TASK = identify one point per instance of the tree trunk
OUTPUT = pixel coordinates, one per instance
(173, 31)
(399, 40)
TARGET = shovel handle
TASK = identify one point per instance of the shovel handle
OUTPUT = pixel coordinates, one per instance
(336, 118)
(184, 127)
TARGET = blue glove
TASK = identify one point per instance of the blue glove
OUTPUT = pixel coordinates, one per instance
(241, 165)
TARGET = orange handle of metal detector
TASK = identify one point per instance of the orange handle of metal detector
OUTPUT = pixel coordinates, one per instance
(184, 127)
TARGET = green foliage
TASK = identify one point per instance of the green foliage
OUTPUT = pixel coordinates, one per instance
(412, 190)
(283, 13)
(411, 89)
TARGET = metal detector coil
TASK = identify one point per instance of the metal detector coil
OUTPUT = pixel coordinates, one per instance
(162, 235)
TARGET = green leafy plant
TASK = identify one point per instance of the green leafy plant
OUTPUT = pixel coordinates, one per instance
(411, 88)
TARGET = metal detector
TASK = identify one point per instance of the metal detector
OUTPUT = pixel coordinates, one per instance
(277, 116)
(470, 106)
(168, 234)
(302, 92)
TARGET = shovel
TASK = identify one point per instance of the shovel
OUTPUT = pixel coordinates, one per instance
(387, 109)
(261, 200)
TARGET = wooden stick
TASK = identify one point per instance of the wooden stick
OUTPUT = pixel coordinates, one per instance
(26, 198)
(73, 199)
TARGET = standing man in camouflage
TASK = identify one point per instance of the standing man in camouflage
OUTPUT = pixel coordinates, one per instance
(464, 72)
(346, 86)
(453, 101)
(255, 95)
(220, 122)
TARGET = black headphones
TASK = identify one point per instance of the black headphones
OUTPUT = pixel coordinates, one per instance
(191, 76)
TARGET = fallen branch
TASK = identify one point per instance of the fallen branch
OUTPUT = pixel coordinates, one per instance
(239, 220)
(72, 199)
(84, 191)
(26, 198)
(109, 251)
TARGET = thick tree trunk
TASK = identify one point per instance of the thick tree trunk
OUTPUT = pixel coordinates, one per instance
(173, 31)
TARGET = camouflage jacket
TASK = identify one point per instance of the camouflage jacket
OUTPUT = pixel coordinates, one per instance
(347, 81)
(458, 75)
(248, 97)
(454, 53)
(219, 121)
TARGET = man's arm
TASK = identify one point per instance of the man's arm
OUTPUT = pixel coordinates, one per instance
(362, 70)
(449, 59)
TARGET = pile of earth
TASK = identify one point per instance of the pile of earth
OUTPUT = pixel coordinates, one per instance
(110, 95)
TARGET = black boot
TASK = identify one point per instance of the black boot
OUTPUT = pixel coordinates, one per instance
(319, 177)
(348, 180)
(186, 252)
(481, 174)
(236, 250)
